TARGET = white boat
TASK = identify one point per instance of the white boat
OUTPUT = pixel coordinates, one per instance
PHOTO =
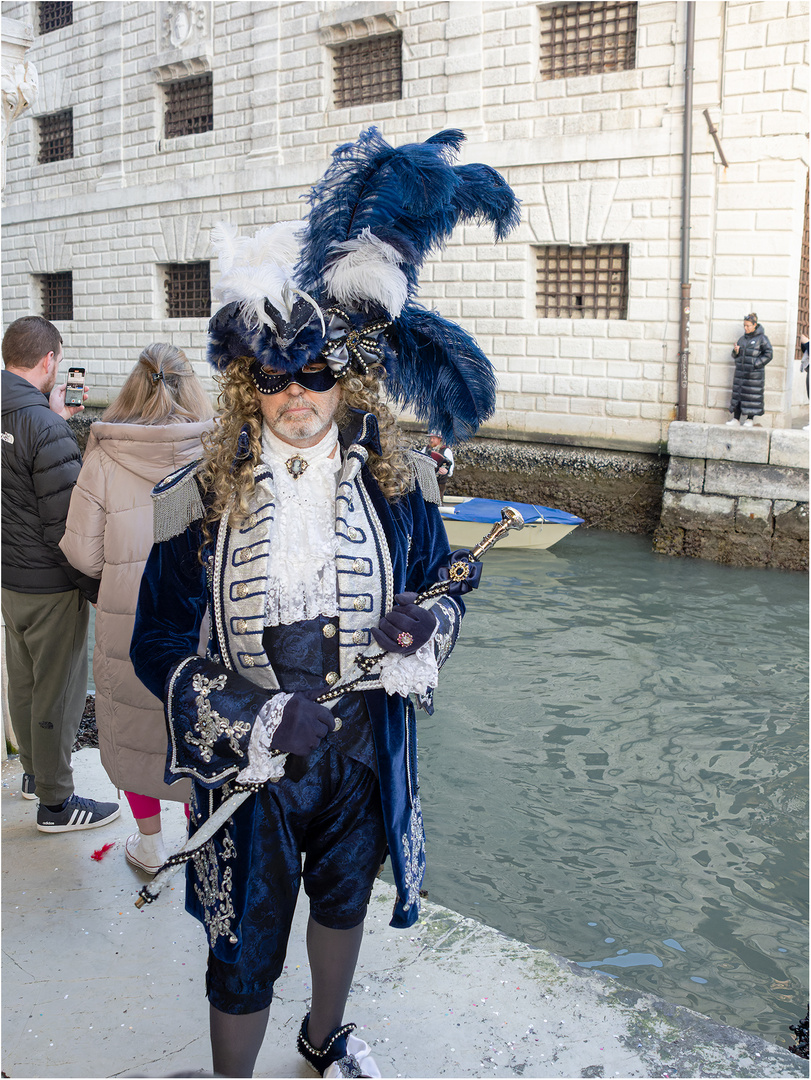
(468, 519)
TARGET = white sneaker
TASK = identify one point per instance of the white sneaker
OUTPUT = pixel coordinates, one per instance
(732, 423)
(145, 852)
(748, 423)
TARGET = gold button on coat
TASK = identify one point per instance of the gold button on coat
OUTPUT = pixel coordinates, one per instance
(353, 534)
(241, 626)
(360, 603)
(329, 630)
(358, 565)
(248, 661)
(241, 589)
(357, 637)
(332, 677)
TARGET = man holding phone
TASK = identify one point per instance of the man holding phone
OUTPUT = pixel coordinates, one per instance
(44, 600)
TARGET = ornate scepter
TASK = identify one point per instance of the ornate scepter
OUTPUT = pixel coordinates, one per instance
(458, 572)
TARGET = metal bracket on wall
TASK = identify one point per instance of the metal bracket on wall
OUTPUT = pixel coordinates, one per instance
(713, 130)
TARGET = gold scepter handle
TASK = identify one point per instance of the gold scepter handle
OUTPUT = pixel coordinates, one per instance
(457, 571)
(460, 570)
(510, 519)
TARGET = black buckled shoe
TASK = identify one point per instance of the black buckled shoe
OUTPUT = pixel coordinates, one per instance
(343, 1054)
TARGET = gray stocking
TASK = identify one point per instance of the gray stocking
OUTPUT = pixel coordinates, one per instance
(236, 1040)
(333, 955)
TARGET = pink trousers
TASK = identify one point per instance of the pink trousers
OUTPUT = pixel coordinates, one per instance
(145, 806)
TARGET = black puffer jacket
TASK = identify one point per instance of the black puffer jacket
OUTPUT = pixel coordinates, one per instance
(754, 353)
(41, 461)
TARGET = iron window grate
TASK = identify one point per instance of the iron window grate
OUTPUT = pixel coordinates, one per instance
(55, 137)
(582, 282)
(188, 290)
(587, 38)
(368, 71)
(57, 296)
(189, 106)
(52, 16)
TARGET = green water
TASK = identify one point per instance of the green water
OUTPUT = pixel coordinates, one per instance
(617, 772)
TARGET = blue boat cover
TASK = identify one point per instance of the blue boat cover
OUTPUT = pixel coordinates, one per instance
(488, 511)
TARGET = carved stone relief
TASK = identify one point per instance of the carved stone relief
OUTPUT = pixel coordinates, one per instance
(184, 39)
(19, 84)
(181, 22)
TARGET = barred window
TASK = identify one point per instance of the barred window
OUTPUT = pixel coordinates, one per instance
(189, 106)
(56, 294)
(368, 71)
(587, 38)
(55, 137)
(188, 290)
(54, 15)
(582, 282)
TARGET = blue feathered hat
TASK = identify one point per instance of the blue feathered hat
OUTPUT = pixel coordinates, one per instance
(342, 284)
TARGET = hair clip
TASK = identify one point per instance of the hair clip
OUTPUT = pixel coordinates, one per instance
(157, 376)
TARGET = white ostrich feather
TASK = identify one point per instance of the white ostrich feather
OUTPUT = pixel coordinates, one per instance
(368, 269)
(256, 268)
(226, 241)
(279, 243)
(250, 286)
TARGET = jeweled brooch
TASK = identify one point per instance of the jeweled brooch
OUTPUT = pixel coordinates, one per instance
(296, 466)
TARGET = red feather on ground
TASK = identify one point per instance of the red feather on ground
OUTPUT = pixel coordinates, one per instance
(99, 855)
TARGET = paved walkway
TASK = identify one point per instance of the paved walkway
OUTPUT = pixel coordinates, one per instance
(95, 988)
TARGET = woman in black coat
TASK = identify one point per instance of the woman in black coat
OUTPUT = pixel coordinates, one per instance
(752, 353)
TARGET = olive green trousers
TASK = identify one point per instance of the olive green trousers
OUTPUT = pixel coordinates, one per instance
(46, 660)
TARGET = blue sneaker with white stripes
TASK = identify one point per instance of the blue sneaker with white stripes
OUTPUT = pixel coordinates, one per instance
(76, 813)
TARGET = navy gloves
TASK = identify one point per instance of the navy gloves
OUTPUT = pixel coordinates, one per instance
(304, 724)
(406, 627)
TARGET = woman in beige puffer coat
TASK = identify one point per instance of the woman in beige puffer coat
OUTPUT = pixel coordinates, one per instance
(152, 428)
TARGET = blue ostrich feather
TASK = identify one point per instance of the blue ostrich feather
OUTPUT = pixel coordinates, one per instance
(441, 372)
(412, 197)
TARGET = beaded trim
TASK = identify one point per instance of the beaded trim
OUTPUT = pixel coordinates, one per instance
(356, 340)
(338, 1033)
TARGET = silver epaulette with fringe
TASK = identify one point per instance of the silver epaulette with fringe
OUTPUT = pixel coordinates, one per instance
(176, 503)
(423, 472)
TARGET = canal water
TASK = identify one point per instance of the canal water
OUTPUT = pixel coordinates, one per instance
(617, 772)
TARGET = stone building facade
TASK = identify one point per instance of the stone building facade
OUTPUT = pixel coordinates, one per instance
(596, 159)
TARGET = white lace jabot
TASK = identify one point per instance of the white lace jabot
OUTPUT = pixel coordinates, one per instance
(302, 579)
(303, 582)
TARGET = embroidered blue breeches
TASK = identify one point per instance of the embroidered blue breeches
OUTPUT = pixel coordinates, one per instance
(333, 815)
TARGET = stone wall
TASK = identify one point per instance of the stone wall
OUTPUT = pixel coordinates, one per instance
(736, 495)
(614, 490)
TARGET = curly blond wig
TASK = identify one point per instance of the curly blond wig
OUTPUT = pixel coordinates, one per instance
(224, 474)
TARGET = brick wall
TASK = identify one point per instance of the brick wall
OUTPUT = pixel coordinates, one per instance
(594, 159)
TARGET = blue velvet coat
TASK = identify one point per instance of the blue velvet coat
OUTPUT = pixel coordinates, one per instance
(211, 701)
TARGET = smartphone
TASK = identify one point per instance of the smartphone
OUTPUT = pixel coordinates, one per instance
(74, 392)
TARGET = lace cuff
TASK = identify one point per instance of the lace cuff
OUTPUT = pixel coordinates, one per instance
(415, 674)
(264, 763)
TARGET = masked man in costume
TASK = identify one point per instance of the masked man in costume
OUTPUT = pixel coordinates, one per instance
(307, 534)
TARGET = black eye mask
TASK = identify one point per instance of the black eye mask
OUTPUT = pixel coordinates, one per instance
(273, 382)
